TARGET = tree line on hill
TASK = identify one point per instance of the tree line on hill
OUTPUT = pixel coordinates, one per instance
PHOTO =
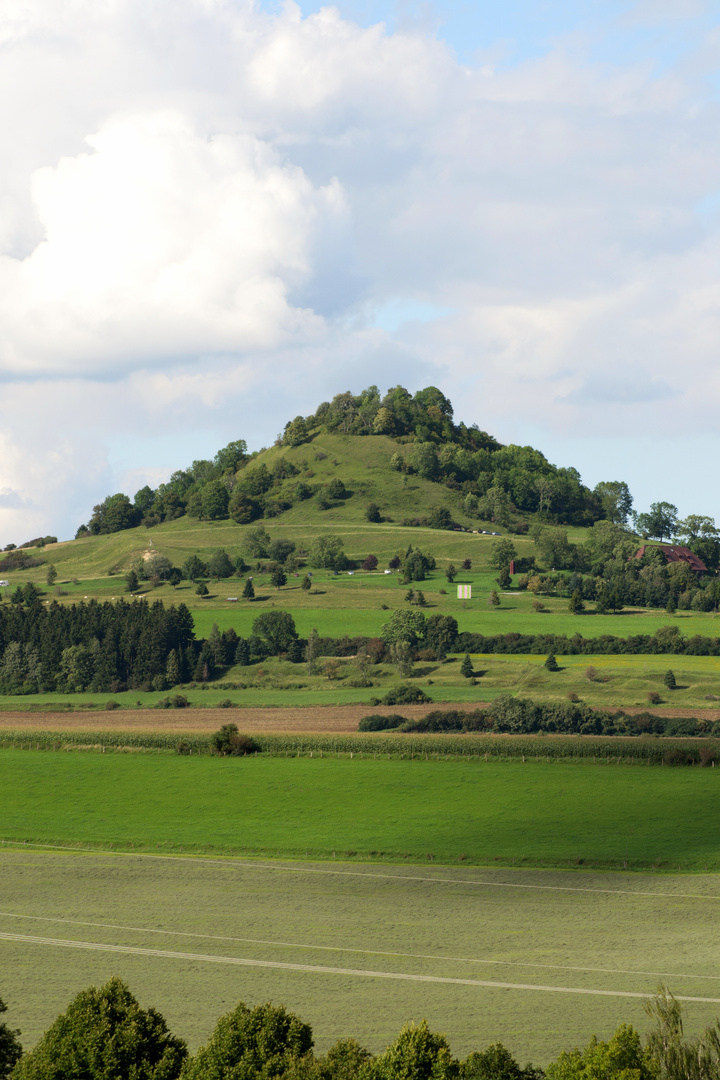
(496, 482)
(105, 1034)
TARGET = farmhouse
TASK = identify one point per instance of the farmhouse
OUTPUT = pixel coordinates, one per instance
(675, 553)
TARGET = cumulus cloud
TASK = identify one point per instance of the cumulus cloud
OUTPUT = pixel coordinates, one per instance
(207, 209)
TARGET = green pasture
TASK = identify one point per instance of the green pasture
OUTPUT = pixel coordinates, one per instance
(611, 681)
(360, 603)
(528, 811)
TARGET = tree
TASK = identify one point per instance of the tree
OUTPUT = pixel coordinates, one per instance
(502, 553)
(440, 634)
(660, 521)
(416, 1054)
(220, 565)
(306, 583)
(278, 577)
(131, 581)
(281, 549)
(215, 499)
(243, 508)
(551, 663)
(370, 563)
(277, 628)
(312, 650)
(467, 564)
(554, 548)
(249, 590)
(466, 668)
(494, 599)
(105, 1035)
(327, 552)
(623, 1056)
(251, 1044)
(175, 577)
(115, 513)
(336, 489)
(372, 513)
(616, 500)
(202, 589)
(451, 573)
(404, 625)
(669, 679)
(576, 605)
(10, 1046)
(504, 578)
(194, 568)
(497, 1063)
(51, 576)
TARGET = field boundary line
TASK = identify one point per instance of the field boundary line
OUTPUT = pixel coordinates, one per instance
(129, 950)
(231, 862)
(361, 952)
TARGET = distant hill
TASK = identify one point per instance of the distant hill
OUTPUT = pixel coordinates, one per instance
(397, 458)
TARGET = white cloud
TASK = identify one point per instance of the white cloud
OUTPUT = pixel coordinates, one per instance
(204, 206)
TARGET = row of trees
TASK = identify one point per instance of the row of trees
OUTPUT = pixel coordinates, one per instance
(105, 1035)
(96, 647)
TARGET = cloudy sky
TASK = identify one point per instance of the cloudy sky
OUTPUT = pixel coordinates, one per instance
(215, 214)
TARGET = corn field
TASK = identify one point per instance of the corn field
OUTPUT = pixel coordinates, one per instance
(640, 751)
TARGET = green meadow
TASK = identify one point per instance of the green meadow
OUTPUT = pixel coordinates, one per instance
(448, 810)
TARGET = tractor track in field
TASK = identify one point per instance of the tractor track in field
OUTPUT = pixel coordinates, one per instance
(321, 969)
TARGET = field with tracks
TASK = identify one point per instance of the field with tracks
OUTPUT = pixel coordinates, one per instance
(540, 960)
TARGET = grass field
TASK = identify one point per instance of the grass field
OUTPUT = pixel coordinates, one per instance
(550, 814)
(620, 933)
(619, 681)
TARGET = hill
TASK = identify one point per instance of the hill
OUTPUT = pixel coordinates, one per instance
(397, 457)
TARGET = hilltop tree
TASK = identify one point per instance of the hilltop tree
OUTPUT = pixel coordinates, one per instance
(661, 521)
(616, 500)
(416, 1054)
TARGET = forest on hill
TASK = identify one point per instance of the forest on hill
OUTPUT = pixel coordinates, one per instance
(488, 481)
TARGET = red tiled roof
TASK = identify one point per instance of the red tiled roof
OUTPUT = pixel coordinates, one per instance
(676, 553)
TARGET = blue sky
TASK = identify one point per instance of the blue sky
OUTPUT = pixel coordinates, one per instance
(215, 216)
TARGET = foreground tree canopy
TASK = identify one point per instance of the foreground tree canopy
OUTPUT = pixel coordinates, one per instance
(105, 1035)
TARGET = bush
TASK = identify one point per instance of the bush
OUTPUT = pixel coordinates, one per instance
(406, 695)
(654, 698)
(228, 742)
(378, 722)
(110, 705)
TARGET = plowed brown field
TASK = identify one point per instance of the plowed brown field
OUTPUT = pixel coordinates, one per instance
(324, 720)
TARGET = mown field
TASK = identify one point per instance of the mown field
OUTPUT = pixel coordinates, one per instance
(515, 937)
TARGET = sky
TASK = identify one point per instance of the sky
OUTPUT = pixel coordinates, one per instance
(215, 214)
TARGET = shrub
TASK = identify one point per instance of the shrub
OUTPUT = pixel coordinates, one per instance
(654, 698)
(406, 695)
(378, 722)
(110, 705)
(228, 742)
